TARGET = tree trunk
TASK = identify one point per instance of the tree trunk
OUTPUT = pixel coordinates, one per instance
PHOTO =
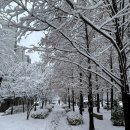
(90, 105)
(90, 110)
(23, 106)
(29, 110)
(27, 104)
(111, 67)
(90, 96)
(126, 106)
(107, 100)
(98, 100)
(81, 96)
(68, 98)
(102, 98)
(12, 109)
(98, 104)
(73, 101)
(35, 107)
(111, 98)
(65, 98)
(42, 104)
(12, 105)
(81, 103)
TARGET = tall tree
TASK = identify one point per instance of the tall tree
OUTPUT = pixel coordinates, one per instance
(111, 21)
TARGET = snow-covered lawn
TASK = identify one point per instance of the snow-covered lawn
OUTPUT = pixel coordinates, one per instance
(55, 121)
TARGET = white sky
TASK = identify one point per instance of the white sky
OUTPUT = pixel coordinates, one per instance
(32, 39)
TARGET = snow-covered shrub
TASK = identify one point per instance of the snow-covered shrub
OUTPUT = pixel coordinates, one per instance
(16, 109)
(117, 115)
(74, 118)
(40, 114)
(65, 106)
(67, 109)
(49, 107)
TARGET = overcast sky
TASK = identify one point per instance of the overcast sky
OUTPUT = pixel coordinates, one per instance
(32, 39)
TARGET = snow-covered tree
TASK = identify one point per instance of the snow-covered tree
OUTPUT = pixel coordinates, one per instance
(110, 19)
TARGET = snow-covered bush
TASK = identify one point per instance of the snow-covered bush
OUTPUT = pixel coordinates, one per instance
(40, 114)
(117, 115)
(49, 107)
(65, 106)
(74, 118)
(16, 109)
(67, 109)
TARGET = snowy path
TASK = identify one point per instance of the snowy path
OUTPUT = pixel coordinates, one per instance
(55, 121)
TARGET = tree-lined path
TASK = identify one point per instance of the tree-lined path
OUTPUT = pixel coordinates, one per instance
(84, 58)
(56, 120)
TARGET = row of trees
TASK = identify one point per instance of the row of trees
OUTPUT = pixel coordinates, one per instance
(26, 80)
(91, 37)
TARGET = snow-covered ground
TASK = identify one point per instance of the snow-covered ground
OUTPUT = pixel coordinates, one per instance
(55, 121)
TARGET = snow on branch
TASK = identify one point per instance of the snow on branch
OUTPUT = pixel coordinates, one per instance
(117, 15)
(92, 71)
(110, 74)
(98, 4)
(106, 35)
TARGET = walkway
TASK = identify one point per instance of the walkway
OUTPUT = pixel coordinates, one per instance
(55, 121)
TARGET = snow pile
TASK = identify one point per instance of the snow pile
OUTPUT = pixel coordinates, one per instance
(16, 109)
(40, 114)
(74, 118)
(49, 107)
(65, 106)
(67, 109)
